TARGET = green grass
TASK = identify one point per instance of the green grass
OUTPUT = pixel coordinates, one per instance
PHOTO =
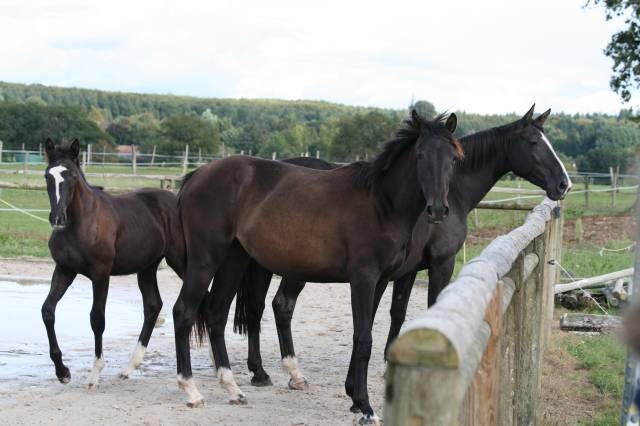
(603, 357)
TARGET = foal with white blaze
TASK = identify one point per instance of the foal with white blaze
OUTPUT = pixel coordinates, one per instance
(99, 235)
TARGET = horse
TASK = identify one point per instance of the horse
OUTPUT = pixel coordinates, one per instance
(243, 207)
(520, 147)
(99, 235)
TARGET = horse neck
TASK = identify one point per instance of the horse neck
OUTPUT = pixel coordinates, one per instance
(82, 197)
(400, 192)
(470, 185)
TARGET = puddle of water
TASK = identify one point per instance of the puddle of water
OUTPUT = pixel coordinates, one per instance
(24, 348)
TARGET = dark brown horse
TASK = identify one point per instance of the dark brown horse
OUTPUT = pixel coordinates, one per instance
(276, 213)
(520, 147)
(99, 235)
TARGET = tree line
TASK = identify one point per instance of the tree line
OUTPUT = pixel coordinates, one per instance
(31, 113)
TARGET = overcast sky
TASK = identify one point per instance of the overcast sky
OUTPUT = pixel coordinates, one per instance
(485, 56)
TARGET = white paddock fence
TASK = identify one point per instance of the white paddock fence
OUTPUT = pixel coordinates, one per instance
(474, 357)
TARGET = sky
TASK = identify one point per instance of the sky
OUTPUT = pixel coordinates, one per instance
(490, 56)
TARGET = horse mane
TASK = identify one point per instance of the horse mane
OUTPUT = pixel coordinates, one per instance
(367, 173)
(483, 146)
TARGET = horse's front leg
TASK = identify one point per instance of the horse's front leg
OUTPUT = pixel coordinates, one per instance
(362, 303)
(399, 302)
(284, 304)
(100, 283)
(440, 272)
(381, 287)
(59, 284)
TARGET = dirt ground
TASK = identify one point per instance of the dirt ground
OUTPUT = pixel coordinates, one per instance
(322, 330)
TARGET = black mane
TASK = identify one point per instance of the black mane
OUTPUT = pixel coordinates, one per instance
(481, 147)
(367, 173)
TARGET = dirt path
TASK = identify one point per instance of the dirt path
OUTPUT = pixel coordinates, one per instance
(30, 394)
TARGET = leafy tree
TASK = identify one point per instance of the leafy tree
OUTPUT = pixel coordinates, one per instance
(624, 47)
(361, 135)
(426, 109)
(180, 130)
(31, 124)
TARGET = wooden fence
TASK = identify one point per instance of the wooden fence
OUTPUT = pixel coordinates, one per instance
(474, 357)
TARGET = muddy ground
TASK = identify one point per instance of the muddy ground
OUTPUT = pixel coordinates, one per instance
(30, 394)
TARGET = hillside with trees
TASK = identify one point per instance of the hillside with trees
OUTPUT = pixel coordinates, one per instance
(30, 113)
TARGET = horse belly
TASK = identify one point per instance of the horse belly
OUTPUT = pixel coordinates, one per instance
(297, 255)
(136, 250)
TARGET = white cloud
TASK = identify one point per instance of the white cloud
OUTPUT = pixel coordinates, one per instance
(492, 56)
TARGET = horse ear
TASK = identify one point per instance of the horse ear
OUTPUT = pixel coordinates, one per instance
(75, 148)
(529, 115)
(543, 117)
(49, 146)
(452, 122)
(415, 117)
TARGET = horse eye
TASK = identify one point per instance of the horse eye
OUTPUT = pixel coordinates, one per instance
(533, 141)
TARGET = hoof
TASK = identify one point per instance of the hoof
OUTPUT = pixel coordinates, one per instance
(92, 386)
(299, 384)
(64, 376)
(240, 400)
(262, 380)
(123, 376)
(366, 419)
(355, 409)
(195, 404)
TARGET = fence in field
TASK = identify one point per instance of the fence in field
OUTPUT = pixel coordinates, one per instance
(474, 357)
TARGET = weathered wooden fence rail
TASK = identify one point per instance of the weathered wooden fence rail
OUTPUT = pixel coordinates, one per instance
(474, 357)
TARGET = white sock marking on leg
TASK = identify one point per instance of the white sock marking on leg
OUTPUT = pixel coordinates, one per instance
(290, 365)
(189, 386)
(225, 376)
(136, 360)
(94, 376)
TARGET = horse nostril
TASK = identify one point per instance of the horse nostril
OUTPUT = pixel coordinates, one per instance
(563, 185)
(429, 212)
(446, 211)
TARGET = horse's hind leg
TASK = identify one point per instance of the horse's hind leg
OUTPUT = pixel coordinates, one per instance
(197, 277)
(283, 305)
(225, 286)
(257, 289)
(59, 284)
(152, 304)
(100, 282)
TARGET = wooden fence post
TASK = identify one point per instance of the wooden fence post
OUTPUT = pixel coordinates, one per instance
(89, 154)
(83, 163)
(408, 400)
(586, 191)
(134, 161)
(185, 160)
(104, 154)
(153, 155)
(317, 153)
(1, 143)
(612, 173)
(273, 156)
(199, 156)
(553, 235)
(25, 165)
(480, 404)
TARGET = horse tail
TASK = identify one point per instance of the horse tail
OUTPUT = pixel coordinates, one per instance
(241, 317)
(199, 330)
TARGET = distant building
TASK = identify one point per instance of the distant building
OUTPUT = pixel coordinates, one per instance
(126, 149)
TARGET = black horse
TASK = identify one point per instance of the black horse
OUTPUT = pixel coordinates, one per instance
(275, 212)
(520, 147)
(99, 235)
